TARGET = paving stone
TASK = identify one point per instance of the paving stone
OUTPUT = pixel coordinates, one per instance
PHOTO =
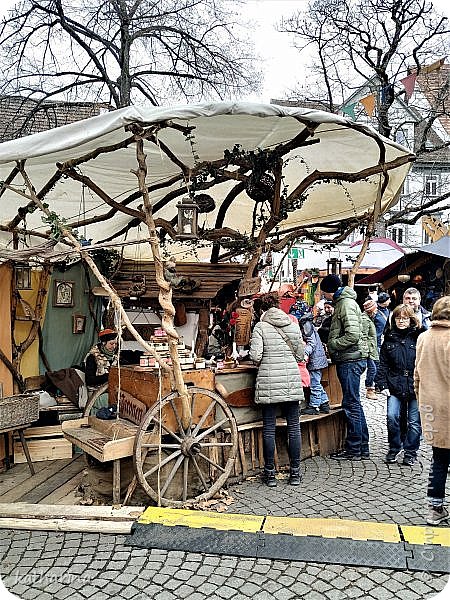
(381, 593)
(336, 594)
(125, 578)
(207, 588)
(378, 576)
(284, 594)
(226, 592)
(164, 595)
(112, 588)
(320, 585)
(128, 592)
(313, 596)
(419, 587)
(407, 595)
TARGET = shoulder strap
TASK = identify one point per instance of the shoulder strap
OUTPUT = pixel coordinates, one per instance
(383, 315)
(284, 336)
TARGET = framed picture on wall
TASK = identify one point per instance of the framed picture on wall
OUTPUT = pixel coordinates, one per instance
(79, 323)
(63, 293)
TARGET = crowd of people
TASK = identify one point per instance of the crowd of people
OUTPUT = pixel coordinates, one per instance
(404, 353)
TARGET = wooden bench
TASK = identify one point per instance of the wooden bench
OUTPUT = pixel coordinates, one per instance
(109, 440)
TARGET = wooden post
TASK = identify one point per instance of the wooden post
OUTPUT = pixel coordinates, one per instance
(165, 289)
(362, 253)
(116, 482)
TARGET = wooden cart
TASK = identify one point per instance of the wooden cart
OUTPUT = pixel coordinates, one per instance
(179, 466)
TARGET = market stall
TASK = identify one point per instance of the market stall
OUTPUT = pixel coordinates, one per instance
(223, 182)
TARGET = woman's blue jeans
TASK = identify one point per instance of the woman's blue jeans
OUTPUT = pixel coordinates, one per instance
(411, 442)
(349, 375)
(438, 475)
(372, 366)
(291, 412)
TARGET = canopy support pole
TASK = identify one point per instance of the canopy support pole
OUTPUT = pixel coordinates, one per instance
(165, 289)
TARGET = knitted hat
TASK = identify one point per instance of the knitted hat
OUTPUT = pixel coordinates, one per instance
(383, 297)
(107, 334)
(330, 284)
(369, 306)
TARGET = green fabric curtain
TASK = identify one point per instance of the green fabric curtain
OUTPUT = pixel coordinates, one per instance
(62, 347)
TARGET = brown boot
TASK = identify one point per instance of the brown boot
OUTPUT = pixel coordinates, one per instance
(370, 394)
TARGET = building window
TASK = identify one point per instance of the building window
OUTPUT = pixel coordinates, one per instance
(397, 235)
(431, 185)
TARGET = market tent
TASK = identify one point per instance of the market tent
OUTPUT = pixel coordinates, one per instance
(441, 247)
(334, 171)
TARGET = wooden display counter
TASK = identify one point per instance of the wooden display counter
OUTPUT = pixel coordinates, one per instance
(331, 385)
(321, 434)
(225, 430)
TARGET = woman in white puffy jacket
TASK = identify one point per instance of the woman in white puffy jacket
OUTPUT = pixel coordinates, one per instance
(277, 347)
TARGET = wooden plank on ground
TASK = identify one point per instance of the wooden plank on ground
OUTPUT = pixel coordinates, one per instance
(31, 482)
(43, 449)
(17, 474)
(122, 527)
(63, 491)
(53, 482)
(27, 511)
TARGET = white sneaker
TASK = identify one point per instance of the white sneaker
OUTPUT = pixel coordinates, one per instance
(436, 514)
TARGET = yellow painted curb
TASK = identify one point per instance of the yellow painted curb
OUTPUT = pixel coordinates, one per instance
(426, 535)
(198, 519)
(326, 528)
(333, 528)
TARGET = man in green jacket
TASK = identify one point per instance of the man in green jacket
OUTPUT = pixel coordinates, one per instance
(348, 349)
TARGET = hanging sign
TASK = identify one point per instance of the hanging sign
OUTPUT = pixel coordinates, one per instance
(242, 328)
(296, 253)
(248, 287)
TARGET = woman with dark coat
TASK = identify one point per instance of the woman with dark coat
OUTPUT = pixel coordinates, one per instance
(395, 379)
(276, 347)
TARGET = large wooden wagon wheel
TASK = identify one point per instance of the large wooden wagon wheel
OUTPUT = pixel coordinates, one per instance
(186, 466)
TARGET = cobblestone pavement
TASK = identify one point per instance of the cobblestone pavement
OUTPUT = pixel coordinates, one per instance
(369, 490)
(74, 566)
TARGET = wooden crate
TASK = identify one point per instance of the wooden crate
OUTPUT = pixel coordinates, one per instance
(44, 443)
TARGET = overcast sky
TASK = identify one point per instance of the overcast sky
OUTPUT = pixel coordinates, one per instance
(282, 63)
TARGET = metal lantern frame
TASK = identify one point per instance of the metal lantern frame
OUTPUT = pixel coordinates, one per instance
(187, 219)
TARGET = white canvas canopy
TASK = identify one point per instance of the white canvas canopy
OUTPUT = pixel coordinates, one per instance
(335, 170)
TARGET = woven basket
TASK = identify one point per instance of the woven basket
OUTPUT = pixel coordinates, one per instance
(19, 410)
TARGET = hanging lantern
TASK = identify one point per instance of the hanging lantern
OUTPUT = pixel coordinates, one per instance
(403, 277)
(187, 219)
(334, 266)
(23, 277)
